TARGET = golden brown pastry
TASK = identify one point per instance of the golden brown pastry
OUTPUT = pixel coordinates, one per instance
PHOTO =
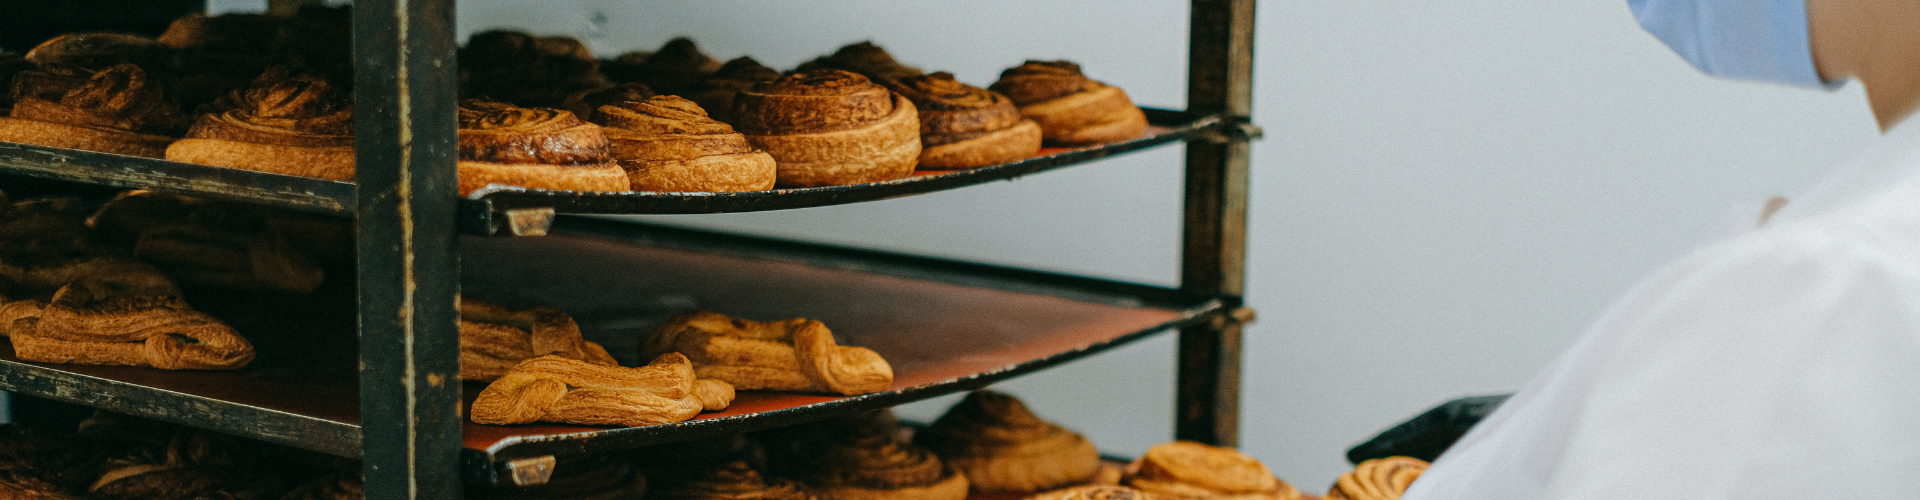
(672, 70)
(65, 62)
(1094, 492)
(669, 144)
(282, 124)
(533, 148)
(787, 355)
(557, 389)
(1377, 479)
(715, 93)
(119, 110)
(1192, 470)
(864, 58)
(130, 317)
(1071, 108)
(963, 126)
(830, 127)
(583, 103)
(1004, 448)
(733, 481)
(493, 339)
(868, 461)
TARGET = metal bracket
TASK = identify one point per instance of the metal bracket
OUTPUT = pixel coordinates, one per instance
(531, 471)
(529, 221)
(1237, 316)
(1235, 129)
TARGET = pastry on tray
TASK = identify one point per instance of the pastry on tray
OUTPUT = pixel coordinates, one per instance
(867, 460)
(1071, 108)
(65, 62)
(1192, 470)
(963, 126)
(526, 70)
(787, 355)
(715, 92)
(1004, 448)
(121, 314)
(582, 103)
(669, 144)
(558, 389)
(534, 148)
(215, 55)
(493, 339)
(672, 70)
(732, 481)
(1095, 492)
(282, 124)
(830, 127)
(1377, 479)
(864, 58)
(118, 110)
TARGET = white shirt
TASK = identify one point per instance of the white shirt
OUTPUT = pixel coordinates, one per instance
(1783, 362)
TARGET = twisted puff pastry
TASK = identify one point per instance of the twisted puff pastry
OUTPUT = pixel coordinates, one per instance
(1071, 108)
(125, 318)
(963, 126)
(787, 355)
(283, 124)
(535, 148)
(1377, 479)
(668, 143)
(830, 127)
(1192, 470)
(117, 111)
(493, 339)
(557, 389)
(1003, 447)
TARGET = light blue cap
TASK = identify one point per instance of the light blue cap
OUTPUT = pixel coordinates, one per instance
(1758, 40)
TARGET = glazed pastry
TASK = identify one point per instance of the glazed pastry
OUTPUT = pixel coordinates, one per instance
(292, 125)
(557, 389)
(493, 339)
(787, 355)
(733, 481)
(525, 70)
(868, 461)
(1003, 447)
(672, 70)
(1094, 492)
(864, 58)
(580, 477)
(1377, 479)
(1071, 108)
(830, 127)
(533, 148)
(123, 318)
(1197, 471)
(715, 93)
(119, 110)
(963, 126)
(668, 144)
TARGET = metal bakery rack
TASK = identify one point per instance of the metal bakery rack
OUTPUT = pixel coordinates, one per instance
(946, 326)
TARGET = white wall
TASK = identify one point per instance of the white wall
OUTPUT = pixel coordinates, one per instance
(1448, 193)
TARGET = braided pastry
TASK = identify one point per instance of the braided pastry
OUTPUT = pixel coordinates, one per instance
(283, 124)
(557, 389)
(128, 318)
(963, 126)
(668, 144)
(1071, 108)
(787, 355)
(830, 127)
(535, 148)
(1196, 471)
(493, 339)
(733, 481)
(119, 110)
(1003, 447)
(1377, 479)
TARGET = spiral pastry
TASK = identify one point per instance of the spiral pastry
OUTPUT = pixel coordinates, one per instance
(868, 462)
(1197, 471)
(519, 68)
(715, 93)
(131, 318)
(119, 110)
(557, 389)
(1003, 447)
(672, 70)
(65, 62)
(864, 58)
(734, 481)
(1377, 479)
(1071, 109)
(669, 144)
(788, 355)
(830, 127)
(494, 339)
(283, 124)
(583, 103)
(535, 148)
(1095, 492)
(963, 126)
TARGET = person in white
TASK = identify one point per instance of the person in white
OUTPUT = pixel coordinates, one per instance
(1782, 362)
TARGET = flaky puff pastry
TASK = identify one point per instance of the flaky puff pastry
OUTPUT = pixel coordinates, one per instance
(963, 126)
(830, 127)
(1003, 447)
(494, 339)
(733, 481)
(118, 110)
(133, 316)
(558, 389)
(788, 355)
(282, 124)
(1071, 108)
(534, 148)
(1377, 479)
(1191, 470)
(669, 144)
(868, 461)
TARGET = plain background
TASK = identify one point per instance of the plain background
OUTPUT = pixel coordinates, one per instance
(1447, 194)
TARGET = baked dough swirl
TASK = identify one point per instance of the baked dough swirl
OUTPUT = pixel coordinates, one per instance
(734, 481)
(864, 58)
(126, 318)
(283, 124)
(494, 339)
(1197, 471)
(830, 127)
(119, 110)
(535, 148)
(1071, 108)
(869, 462)
(554, 388)
(715, 93)
(669, 144)
(1003, 447)
(963, 126)
(788, 355)
(1377, 479)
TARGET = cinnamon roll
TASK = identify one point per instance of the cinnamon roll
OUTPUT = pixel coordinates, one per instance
(672, 70)
(1003, 447)
(669, 144)
(534, 148)
(65, 62)
(1197, 471)
(1377, 479)
(133, 317)
(494, 339)
(715, 93)
(119, 110)
(733, 481)
(583, 103)
(788, 355)
(1071, 108)
(963, 126)
(283, 124)
(864, 58)
(866, 460)
(526, 70)
(557, 389)
(830, 127)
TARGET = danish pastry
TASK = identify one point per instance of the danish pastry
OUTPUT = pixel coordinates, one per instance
(669, 144)
(830, 127)
(553, 388)
(533, 148)
(1197, 471)
(494, 339)
(118, 110)
(963, 126)
(787, 355)
(283, 124)
(1071, 108)
(1377, 479)
(1003, 447)
(124, 318)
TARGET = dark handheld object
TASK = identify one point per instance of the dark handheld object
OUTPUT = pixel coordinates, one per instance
(1426, 436)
